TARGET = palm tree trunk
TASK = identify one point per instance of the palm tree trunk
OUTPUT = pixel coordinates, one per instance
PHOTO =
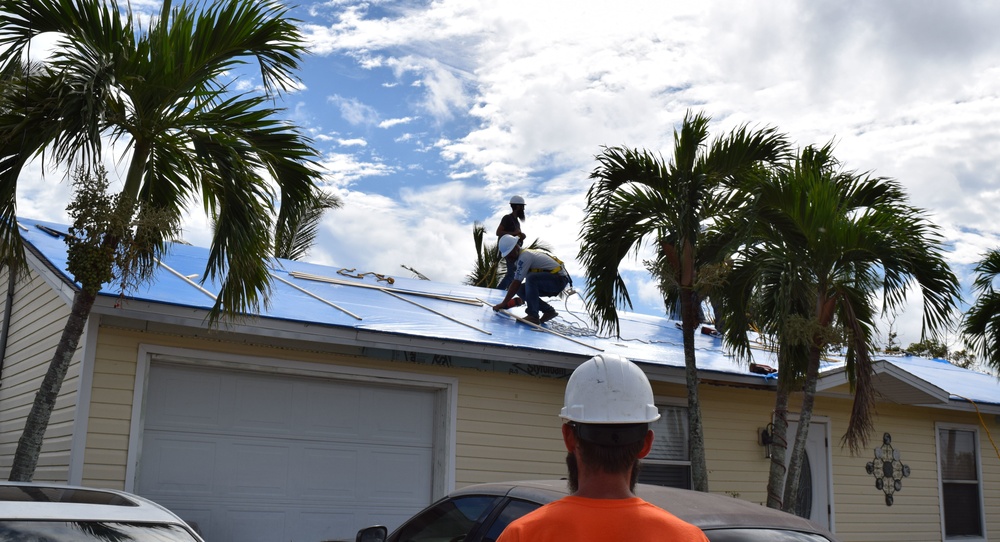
(779, 443)
(791, 501)
(696, 443)
(29, 446)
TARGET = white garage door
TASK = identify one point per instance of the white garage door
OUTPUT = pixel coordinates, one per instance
(254, 456)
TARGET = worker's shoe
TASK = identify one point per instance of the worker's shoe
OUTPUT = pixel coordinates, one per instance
(532, 319)
(546, 316)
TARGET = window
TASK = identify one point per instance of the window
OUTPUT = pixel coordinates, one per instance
(91, 531)
(961, 492)
(668, 463)
(513, 510)
(447, 520)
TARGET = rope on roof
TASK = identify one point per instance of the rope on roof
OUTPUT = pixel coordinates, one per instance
(378, 276)
(545, 329)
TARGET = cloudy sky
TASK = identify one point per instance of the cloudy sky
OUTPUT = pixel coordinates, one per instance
(431, 115)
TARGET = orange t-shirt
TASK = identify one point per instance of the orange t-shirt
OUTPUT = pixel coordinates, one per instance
(582, 519)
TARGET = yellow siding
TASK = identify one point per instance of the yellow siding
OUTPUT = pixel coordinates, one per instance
(39, 317)
(507, 428)
(731, 418)
(861, 508)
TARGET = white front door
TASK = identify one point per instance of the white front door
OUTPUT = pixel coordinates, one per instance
(814, 487)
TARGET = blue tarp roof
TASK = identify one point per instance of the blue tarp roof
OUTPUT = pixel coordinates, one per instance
(959, 383)
(317, 295)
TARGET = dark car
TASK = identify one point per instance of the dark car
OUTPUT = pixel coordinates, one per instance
(479, 513)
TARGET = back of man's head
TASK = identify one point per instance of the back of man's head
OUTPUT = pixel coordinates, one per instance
(609, 405)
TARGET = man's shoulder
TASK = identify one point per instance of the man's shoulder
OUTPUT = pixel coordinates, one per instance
(536, 255)
(588, 517)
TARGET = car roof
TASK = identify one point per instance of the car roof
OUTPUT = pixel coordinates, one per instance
(43, 501)
(706, 510)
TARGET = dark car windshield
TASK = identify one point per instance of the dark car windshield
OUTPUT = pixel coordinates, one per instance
(446, 520)
(92, 531)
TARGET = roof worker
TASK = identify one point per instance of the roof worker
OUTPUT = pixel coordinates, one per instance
(536, 274)
(511, 225)
(608, 408)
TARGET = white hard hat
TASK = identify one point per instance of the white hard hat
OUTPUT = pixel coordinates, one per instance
(609, 389)
(506, 244)
(517, 200)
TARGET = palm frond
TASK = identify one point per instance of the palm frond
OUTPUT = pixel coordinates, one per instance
(981, 323)
(486, 271)
(296, 233)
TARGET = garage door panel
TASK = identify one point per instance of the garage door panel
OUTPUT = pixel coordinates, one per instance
(396, 415)
(399, 477)
(330, 410)
(262, 405)
(329, 472)
(178, 399)
(284, 457)
(256, 523)
(179, 465)
(259, 469)
(325, 525)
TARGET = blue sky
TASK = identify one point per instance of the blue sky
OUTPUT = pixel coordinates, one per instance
(430, 115)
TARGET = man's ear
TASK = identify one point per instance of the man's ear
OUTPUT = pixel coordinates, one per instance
(647, 444)
(569, 438)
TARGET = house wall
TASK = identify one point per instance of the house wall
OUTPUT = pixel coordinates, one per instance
(507, 428)
(737, 467)
(496, 413)
(38, 318)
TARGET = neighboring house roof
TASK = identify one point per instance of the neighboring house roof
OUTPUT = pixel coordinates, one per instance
(931, 382)
(316, 302)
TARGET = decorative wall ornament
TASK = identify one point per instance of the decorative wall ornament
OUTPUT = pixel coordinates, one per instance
(887, 469)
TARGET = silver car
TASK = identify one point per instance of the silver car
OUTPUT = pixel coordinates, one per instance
(58, 513)
(479, 513)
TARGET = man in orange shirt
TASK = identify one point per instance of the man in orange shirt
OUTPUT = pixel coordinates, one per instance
(608, 408)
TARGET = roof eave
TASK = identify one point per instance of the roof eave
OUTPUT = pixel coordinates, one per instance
(893, 384)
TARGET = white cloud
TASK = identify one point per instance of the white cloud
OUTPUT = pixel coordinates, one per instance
(425, 229)
(341, 170)
(354, 111)
(389, 123)
(356, 142)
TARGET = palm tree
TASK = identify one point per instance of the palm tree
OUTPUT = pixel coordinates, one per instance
(486, 273)
(981, 324)
(822, 245)
(164, 91)
(636, 197)
(490, 266)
